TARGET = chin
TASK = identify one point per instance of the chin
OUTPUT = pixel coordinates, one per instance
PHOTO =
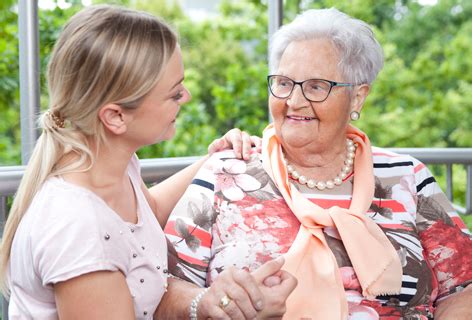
(296, 140)
(168, 135)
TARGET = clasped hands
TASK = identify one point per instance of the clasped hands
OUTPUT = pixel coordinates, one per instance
(238, 294)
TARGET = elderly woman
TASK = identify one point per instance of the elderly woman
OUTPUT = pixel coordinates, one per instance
(368, 233)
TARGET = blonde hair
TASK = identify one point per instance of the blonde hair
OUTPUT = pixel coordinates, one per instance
(105, 54)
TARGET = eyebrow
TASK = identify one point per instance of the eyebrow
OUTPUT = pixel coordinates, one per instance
(177, 83)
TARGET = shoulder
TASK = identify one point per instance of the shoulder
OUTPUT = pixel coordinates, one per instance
(69, 229)
(227, 159)
(226, 163)
(389, 162)
(59, 202)
(134, 167)
(382, 155)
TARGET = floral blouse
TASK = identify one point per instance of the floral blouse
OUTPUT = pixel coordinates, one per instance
(233, 215)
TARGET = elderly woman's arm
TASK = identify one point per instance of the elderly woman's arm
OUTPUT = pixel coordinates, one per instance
(457, 306)
(446, 243)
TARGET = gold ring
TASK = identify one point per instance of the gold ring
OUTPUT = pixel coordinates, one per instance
(225, 301)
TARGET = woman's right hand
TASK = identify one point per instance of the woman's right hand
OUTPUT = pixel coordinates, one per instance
(240, 141)
(276, 289)
(249, 297)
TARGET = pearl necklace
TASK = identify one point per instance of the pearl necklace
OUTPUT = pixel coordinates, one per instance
(330, 184)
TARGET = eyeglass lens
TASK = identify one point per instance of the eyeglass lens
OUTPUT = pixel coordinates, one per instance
(314, 90)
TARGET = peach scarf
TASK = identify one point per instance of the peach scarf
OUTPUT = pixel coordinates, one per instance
(320, 292)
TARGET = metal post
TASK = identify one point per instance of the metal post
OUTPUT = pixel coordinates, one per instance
(29, 74)
(468, 193)
(449, 190)
(4, 309)
(276, 13)
(3, 212)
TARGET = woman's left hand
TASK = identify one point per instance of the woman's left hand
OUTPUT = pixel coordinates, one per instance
(240, 141)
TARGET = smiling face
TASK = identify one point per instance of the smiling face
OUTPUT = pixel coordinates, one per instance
(154, 120)
(299, 123)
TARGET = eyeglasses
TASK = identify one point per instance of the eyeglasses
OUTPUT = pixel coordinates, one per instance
(315, 90)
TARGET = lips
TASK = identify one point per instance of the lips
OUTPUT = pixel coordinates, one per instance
(301, 118)
(176, 115)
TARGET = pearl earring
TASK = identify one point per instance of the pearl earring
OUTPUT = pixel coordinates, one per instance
(355, 115)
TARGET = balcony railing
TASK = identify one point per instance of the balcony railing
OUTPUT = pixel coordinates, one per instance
(155, 170)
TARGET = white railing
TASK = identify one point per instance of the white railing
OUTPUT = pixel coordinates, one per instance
(155, 170)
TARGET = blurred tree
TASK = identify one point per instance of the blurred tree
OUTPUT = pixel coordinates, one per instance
(9, 94)
(50, 22)
(225, 63)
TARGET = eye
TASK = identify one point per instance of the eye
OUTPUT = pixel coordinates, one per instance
(316, 86)
(178, 96)
(284, 83)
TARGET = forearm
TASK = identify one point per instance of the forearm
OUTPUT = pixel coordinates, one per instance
(167, 193)
(175, 303)
(457, 307)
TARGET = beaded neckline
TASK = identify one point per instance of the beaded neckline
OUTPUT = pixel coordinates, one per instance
(329, 184)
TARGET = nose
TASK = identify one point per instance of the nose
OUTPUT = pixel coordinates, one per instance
(297, 99)
(187, 95)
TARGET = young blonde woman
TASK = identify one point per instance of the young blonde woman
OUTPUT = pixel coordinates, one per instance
(84, 237)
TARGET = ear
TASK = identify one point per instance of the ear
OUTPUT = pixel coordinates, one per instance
(360, 93)
(113, 118)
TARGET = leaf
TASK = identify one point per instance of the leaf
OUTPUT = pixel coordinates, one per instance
(182, 229)
(203, 218)
(383, 211)
(261, 195)
(382, 192)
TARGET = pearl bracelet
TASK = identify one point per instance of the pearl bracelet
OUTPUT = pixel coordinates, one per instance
(194, 304)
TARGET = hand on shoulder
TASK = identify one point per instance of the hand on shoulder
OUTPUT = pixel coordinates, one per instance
(240, 141)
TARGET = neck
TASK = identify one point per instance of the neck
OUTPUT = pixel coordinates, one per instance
(318, 161)
(328, 176)
(109, 169)
(108, 178)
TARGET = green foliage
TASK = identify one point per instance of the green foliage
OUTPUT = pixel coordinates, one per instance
(468, 220)
(225, 94)
(50, 23)
(9, 93)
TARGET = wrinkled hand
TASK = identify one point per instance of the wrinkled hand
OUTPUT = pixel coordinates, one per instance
(249, 297)
(276, 288)
(245, 297)
(240, 141)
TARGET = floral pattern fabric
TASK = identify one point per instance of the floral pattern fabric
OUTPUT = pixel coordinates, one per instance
(233, 215)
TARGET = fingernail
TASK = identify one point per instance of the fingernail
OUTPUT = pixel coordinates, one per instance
(280, 259)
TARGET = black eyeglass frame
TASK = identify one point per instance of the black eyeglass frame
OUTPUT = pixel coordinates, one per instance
(300, 83)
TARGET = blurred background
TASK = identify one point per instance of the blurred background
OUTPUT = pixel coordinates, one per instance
(422, 98)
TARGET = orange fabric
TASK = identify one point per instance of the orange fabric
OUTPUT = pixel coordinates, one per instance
(320, 292)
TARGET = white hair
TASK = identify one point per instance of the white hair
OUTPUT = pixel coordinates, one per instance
(360, 54)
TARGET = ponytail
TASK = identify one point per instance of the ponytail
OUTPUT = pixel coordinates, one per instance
(53, 144)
